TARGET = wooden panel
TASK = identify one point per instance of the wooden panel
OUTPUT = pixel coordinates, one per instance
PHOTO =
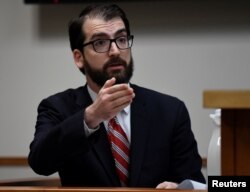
(235, 140)
(226, 99)
(227, 142)
(13, 161)
(235, 129)
(242, 142)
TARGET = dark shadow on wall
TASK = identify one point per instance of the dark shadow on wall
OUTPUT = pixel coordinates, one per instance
(53, 19)
(168, 17)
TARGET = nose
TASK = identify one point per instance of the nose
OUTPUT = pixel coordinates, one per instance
(114, 50)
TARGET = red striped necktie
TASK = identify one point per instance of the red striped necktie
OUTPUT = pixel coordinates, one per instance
(120, 149)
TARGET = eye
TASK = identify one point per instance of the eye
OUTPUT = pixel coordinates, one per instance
(100, 43)
(122, 40)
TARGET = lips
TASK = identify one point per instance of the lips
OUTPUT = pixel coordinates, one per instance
(116, 66)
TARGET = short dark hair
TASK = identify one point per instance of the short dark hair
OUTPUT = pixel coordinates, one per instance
(105, 11)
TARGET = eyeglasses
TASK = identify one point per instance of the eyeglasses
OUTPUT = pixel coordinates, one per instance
(103, 45)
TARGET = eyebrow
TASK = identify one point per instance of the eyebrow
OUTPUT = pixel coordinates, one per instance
(95, 35)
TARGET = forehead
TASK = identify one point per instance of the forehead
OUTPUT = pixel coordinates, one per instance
(95, 26)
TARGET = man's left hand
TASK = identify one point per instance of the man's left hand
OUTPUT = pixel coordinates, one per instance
(167, 185)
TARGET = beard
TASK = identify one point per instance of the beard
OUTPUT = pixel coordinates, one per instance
(100, 76)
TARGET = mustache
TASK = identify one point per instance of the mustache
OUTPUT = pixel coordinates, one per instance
(115, 61)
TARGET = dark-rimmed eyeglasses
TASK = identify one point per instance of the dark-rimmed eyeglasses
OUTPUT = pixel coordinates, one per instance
(103, 45)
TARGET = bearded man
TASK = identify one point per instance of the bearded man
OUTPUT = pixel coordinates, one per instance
(110, 132)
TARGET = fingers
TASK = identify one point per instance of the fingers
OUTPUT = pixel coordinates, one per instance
(109, 83)
(118, 94)
(110, 100)
(121, 93)
(117, 98)
(110, 87)
(167, 185)
(121, 103)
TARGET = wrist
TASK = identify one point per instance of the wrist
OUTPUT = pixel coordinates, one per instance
(90, 118)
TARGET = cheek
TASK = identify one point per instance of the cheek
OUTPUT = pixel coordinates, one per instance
(95, 61)
(126, 56)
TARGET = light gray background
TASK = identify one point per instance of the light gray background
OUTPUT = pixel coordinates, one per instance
(181, 48)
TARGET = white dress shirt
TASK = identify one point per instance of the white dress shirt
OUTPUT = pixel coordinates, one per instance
(123, 118)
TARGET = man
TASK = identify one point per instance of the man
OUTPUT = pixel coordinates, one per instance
(77, 130)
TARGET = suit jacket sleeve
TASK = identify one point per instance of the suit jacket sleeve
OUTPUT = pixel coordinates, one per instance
(59, 135)
(185, 159)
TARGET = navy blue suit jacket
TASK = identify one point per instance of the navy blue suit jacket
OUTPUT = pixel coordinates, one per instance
(163, 147)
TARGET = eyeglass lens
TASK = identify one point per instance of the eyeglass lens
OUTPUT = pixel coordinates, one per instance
(103, 45)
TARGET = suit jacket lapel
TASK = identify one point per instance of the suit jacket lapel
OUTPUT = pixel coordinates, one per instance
(139, 136)
(99, 140)
(103, 152)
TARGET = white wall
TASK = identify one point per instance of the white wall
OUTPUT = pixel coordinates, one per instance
(181, 48)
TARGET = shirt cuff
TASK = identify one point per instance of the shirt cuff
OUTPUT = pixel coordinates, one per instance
(89, 131)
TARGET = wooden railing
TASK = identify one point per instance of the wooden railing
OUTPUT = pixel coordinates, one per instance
(22, 161)
(56, 189)
(13, 161)
(52, 182)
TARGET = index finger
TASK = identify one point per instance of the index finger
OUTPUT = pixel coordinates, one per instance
(119, 87)
(109, 83)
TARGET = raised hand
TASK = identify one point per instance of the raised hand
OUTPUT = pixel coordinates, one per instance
(111, 99)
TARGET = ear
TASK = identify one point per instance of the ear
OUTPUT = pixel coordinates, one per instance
(78, 58)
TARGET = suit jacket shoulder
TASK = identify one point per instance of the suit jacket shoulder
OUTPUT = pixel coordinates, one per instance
(155, 98)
